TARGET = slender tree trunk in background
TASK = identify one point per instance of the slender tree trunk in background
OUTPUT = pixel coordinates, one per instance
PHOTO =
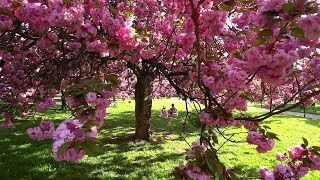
(63, 101)
(143, 104)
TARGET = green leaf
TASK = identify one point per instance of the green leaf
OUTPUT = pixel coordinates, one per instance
(259, 41)
(89, 124)
(305, 141)
(211, 153)
(266, 127)
(198, 156)
(211, 159)
(271, 20)
(312, 10)
(270, 13)
(195, 120)
(287, 7)
(307, 162)
(272, 136)
(246, 95)
(6, 12)
(67, 1)
(112, 80)
(298, 32)
(266, 33)
(63, 148)
(230, 3)
(224, 7)
(77, 146)
(315, 150)
(91, 146)
(113, 10)
(215, 138)
(81, 131)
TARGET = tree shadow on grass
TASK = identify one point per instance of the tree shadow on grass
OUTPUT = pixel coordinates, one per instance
(245, 172)
(158, 125)
(23, 158)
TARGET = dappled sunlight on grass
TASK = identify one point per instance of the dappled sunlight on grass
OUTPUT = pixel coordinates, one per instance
(126, 158)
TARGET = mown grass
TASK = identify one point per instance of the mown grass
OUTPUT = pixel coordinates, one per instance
(308, 109)
(125, 158)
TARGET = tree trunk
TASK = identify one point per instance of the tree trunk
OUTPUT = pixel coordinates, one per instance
(143, 104)
(63, 101)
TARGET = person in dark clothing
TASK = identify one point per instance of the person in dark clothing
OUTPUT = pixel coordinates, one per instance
(173, 112)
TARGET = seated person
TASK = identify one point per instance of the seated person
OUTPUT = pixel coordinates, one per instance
(164, 113)
(173, 112)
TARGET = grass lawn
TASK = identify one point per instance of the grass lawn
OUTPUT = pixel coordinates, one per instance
(309, 109)
(23, 158)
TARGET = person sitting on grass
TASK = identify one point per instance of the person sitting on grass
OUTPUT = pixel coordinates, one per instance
(163, 113)
(173, 112)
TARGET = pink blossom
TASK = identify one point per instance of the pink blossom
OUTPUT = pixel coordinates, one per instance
(295, 152)
(43, 131)
(181, 166)
(91, 97)
(266, 174)
(301, 170)
(263, 144)
(315, 162)
(281, 157)
(197, 174)
(283, 172)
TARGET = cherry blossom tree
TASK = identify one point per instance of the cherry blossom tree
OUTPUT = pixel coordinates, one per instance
(218, 53)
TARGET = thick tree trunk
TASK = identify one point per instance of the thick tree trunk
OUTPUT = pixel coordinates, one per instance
(143, 100)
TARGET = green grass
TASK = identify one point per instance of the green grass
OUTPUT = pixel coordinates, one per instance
(124, 158)
(309, 109)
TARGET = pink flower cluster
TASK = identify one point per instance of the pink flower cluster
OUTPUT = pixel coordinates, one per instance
(295, 168)
(243, 20)
(67, 132)
(297, 153)
(197, 173)
(5, 23)
(97, 46)
(8, 117)
(311, 26)
(100, 105)
(196, 147)
(263, 144)
(280, 172)
(314, 66)
(35, 15)
(274, 67)
(271, 5)
(219, 121)
(46, 99)
(212, 22)
(226, 77)
(45, 104)
(190, 170)
(43, 131)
